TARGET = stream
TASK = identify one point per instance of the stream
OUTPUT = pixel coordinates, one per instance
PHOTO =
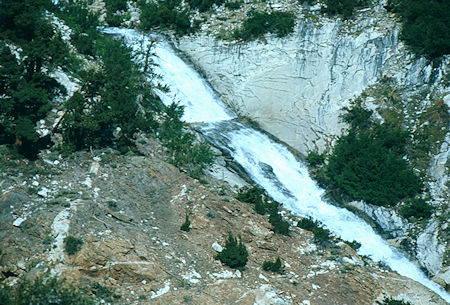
(270, 164)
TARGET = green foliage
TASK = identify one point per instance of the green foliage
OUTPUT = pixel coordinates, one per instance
(106, 112)
(427, 139)
(320, 234)
(43, 291)
(113, 17)
(343, 7)
(279, 225)
(426, 25)
(260, 23)
(186, 225)
(116, 5)
(273, 266)
(25, 88)
(185, 152)
(251, 195)
(83, 23)
(357, 117)
(234, 254)
(315, 159)
(417, 208)
(165, 15)
(353, 244)
(72, 245)
(256, 196)
(204, 5)
(233, 5)
(390, 301)
(367, 163)
(104, 293)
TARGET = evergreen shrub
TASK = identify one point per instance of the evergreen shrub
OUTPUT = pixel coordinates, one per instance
(273, 266)
(390, 301)
(345, 8)
(279, 225)
(315, 159)
(234, 254)
(165, 15)
(186, 224)
(256, 196)
(259, 23)
(368, 163)
(417, 208)
(320, 234)
(425, 25)
(43, 291)
(72, 245)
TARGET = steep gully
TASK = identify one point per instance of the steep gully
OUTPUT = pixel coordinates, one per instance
(268, 163)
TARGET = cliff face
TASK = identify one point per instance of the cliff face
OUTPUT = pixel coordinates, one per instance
(295, 88)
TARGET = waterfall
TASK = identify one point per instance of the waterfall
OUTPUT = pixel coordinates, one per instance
(267, 162)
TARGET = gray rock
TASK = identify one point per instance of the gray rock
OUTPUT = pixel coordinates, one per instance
(216, 247)
(429, 250)
(18, 221)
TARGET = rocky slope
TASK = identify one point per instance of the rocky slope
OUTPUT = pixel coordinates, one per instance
(128, 211)
(295, 88)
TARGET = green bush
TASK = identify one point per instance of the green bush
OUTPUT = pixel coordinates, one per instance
(204, 5)
(234, 254)
(273, 266)
(256, 196)
(315, 159)
(390, 301)
(72, 245)
(425, 25)
(184, 150)
(25, 87)
(233, 5)
(367, 163)
(115, 5)
(260, 23)
(43, 291)
(83, 23)
(186, 224)
(343, 7)
(279, 225)
(353, 244)
(93, 122)
(320, 234)
(417, 208)
(165, 15)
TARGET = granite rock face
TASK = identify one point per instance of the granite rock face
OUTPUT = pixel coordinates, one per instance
(295, 87)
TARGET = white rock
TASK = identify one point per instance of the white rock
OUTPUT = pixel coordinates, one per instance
(87, 182)
(216, 247)
(43, 192)
(21, 265)
(429, 250)
(18, 221)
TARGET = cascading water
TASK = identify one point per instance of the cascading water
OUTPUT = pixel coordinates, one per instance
(268, 163)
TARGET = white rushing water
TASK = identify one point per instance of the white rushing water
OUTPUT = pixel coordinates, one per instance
(186, 86)
(268, 163)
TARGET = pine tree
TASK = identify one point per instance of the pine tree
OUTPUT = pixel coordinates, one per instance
(186, 225)
(234, 254)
